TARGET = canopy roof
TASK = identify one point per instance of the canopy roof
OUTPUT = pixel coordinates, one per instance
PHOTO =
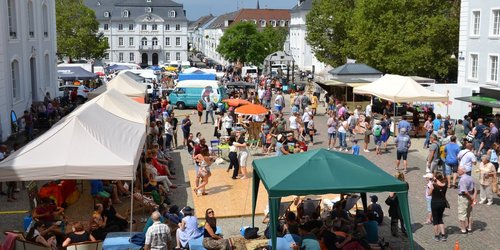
(91, 143)
(398, 88)
(122, 106)
(354, 69)
(124, 85)
(74, 73)
(322, 172)
(481, 100)
(134, 76)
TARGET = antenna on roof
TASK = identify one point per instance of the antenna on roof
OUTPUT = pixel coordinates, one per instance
(258, 5)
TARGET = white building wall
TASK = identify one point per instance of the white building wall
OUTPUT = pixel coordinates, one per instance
(484, 44)
(39, 46)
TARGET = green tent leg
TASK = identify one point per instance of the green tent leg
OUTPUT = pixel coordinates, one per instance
(255, 193)
(274, 208)
(405, 212)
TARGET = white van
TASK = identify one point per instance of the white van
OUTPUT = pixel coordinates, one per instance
(148, 74)
(278, 67)
(252, 71)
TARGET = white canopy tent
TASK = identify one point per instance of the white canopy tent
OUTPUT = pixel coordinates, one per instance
(123, 84)
(91, 143)
(396, 88)
(122, 106)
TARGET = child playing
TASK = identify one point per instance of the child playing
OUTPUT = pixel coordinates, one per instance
(355, 148)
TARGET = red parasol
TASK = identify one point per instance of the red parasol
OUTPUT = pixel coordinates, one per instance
(251, 109)
(236, 102)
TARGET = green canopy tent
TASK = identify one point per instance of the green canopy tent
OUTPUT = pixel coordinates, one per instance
(322, 172)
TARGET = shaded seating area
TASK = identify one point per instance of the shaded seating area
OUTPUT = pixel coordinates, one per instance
(323, 172)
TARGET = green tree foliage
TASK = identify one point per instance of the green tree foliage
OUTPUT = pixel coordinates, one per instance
(243, 42)
(327, 27)
(77, 29)
(404, 37)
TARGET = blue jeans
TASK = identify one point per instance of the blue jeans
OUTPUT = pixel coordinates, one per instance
(342, 141)
(427, 138)
(211, 113)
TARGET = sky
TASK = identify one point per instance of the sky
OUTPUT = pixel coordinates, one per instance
(197, 8)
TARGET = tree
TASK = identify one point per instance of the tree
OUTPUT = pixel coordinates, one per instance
(245, 43)
(77, 31)
(404, 37)
(328, 24)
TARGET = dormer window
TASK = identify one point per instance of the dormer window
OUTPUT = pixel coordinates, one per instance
(282, 23)
(126, 13)
(254, 21)
(107, 14)
(148, 10)
(273, 23)
(262, 23)
(172, 13)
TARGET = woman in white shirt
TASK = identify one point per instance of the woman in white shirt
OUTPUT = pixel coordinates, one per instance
(227, 122)
(293, 123)
(342, 131)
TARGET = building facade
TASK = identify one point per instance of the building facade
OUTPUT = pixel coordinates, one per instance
(261, 17)
(146, 32)
(299, 48)
(479, 44)
(27, 57)
(195, 31)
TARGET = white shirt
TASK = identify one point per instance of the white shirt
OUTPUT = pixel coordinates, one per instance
(279, 100)
(368, 110)
(261, 93)
(293, 122)
(169, 129)
(467, 158)
(342, 127)
(157, 236)
(332, 125)
(306, 117)
(227, 122)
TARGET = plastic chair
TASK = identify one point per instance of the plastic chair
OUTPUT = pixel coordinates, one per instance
(214, 147)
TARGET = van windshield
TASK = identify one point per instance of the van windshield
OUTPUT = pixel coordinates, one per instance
(252, 71)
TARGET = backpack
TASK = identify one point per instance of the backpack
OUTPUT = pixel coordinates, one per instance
(377, 130)
(251, 233)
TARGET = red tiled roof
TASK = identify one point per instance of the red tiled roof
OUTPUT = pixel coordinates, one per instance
(266, 14)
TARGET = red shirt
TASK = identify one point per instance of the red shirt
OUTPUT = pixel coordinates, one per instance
(159, 167)
(46, 209)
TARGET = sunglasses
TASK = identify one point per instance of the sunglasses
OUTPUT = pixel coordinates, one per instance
(210, 212)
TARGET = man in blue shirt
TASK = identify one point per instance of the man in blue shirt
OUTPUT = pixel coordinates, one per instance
(404, 124)
(451, 161)
(436, 124)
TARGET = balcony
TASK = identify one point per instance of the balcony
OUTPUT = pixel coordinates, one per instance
(156, 47)
(144, 47)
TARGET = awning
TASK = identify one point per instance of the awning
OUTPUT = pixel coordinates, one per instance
(481, 100)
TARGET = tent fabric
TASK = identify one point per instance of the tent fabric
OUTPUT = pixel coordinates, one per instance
(122, 106)
(321, 172)
(80, 146)
(74, 73)
(396, 88)
(135, 77)
(124, 84)
(481, 100)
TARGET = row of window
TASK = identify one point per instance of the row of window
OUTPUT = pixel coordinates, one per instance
(143, 26)
(16, 76)
(131, 56)
(126, 13)
(273, 23)
(12, 11)
(491, 71)
(144, 41)
(494, 29)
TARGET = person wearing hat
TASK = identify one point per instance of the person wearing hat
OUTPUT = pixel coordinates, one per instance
(280, 149)
(188, 228)
(403, 143)
(376, 209)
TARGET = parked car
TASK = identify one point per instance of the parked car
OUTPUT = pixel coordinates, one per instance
(81, 90)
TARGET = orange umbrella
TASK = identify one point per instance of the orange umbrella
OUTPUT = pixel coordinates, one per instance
(236, 102)
(251, 109)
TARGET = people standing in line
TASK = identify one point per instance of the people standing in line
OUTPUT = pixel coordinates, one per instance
(467, 158)
(199, 108)
(451, 161)
(403, 144)
(467, 195)
(242, 153)
(209, 109)
(438, 204)
(158, 235)
(186, 129)
(332, 124)
(433, 156)
(428, 131)
(486, 172)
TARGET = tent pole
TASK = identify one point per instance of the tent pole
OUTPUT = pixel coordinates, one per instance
(132, 202)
